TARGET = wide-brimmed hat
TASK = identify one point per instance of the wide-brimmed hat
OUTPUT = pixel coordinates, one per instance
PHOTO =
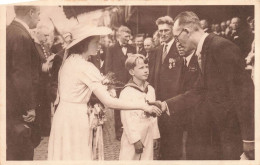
(82, 32)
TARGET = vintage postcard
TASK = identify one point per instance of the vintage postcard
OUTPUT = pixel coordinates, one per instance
(120, 81)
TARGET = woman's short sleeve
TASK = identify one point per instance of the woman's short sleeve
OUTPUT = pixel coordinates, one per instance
(91, 76)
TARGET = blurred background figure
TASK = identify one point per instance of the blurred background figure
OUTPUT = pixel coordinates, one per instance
(139, 44)
(115, 62)
(228, 29)
(43, 40)
(148, 46)
(251, 22)
(250, 61)
(150, 52)
(217, 29)
(223, 27)
(205, 25)
(156, 39)
(240, 35)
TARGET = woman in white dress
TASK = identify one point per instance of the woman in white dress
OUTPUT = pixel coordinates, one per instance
(78, 78)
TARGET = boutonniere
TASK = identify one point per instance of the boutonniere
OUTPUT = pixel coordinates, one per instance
(172, 63)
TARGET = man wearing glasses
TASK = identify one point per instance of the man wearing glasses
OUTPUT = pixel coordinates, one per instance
(165, 77)
(223, 97)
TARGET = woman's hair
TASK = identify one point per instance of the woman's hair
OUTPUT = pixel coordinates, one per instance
(132, 61)
(80, 47)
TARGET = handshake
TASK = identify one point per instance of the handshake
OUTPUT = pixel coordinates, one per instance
(155, 108)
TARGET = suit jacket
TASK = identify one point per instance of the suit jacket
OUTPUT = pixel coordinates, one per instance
(225, 92)
(23, 68)
(166, 79)
(189, 74)
(162, 77)
(143, 52)
(115, 62)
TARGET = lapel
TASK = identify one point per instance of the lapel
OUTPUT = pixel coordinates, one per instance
(132, 84)
(120, 53)
(173, 51)
(205, 51)
(20, 26)
(158, 61)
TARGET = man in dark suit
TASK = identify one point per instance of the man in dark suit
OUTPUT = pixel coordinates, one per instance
(150, 52)
(223, 120)
(43, 43)
(165, 77)
(139, 44)
(22, 80)
(205, 26)
(115, 62)
(189, 75)
(240, 36)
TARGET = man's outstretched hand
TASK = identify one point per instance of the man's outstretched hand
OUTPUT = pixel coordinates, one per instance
(159, 104)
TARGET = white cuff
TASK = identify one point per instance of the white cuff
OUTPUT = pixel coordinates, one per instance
(248, 141)
(167, 109)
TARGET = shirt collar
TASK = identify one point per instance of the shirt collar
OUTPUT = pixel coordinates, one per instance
(201, 42)
(188, 58)
(24, 24)
(132, 84)
(120, 43)
(169, 44)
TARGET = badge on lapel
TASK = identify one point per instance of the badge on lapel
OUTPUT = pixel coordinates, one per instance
(172, 63)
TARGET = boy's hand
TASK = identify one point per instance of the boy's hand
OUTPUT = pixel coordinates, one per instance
(155, 144)
(159, 104)
(138, 147)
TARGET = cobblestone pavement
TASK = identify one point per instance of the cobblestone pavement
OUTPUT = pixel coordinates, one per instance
(111, 145)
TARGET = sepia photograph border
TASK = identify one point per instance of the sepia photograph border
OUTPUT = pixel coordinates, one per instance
(3, 20)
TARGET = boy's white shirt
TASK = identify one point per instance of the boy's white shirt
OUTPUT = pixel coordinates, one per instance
(130, 118)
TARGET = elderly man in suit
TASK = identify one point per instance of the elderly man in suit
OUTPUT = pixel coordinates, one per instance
(43, 41)
(22, 80)
(150, 52)
(205, 26)
(223, 120)
(165, 76)
(115, 62)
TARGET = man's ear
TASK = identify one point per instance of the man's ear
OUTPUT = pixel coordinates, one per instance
(187, 30)
(31, 12)
(131, 72)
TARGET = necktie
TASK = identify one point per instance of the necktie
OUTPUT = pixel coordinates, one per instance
(164, 53)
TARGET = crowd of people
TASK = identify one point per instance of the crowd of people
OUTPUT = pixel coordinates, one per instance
(193, 76)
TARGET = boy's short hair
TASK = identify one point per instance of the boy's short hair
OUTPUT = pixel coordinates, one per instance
(132, 60)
